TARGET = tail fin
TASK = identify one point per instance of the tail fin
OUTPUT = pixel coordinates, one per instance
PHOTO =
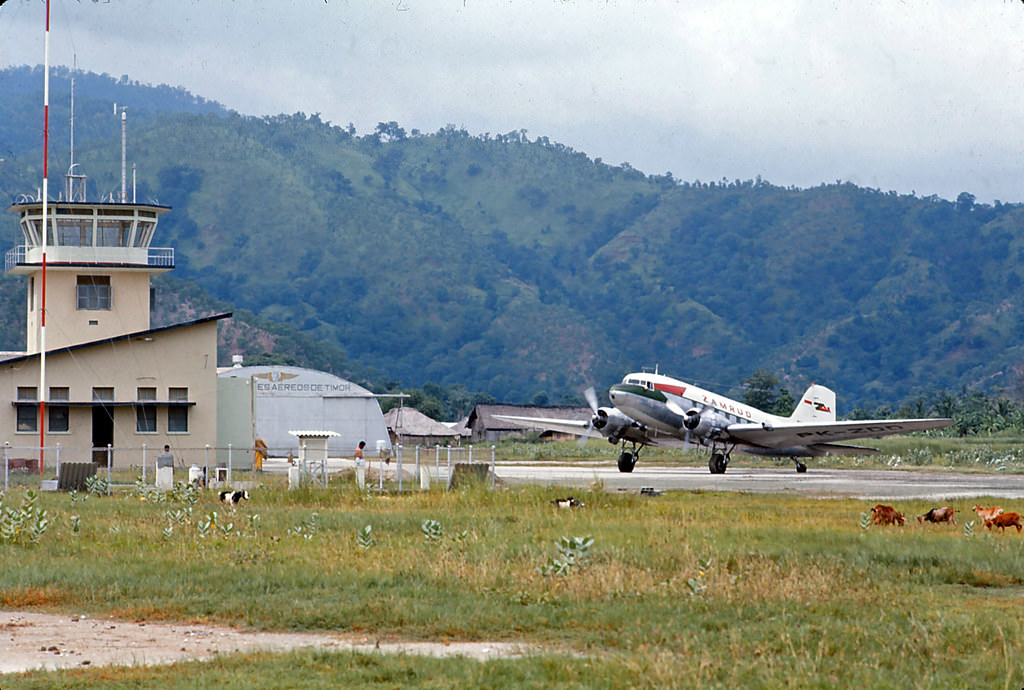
(818, 404)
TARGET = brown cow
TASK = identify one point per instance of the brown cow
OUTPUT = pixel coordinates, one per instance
(885, 515)
(987, 514)
(943, 514)
(1004, 520)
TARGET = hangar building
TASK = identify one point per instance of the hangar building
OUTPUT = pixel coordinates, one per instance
(268, 402)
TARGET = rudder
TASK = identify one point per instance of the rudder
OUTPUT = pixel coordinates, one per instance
(817, 404)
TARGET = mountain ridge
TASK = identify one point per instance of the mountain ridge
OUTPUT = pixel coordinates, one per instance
(522, 267)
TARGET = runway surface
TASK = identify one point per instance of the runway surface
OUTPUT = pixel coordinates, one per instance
(825, 483)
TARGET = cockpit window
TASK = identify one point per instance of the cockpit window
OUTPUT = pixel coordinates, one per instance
(633, 381)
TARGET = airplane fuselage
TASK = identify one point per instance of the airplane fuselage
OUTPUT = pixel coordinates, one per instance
(660, 402)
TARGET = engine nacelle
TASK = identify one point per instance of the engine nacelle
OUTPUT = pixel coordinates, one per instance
(611, 423)
(704, 424)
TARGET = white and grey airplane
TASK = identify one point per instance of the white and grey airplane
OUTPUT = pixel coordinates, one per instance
(654, 409)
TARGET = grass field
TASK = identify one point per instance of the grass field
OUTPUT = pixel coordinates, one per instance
(679, 590)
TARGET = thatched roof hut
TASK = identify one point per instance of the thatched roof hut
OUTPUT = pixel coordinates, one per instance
(408, 426)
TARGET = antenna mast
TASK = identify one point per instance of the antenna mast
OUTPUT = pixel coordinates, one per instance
(124, 153)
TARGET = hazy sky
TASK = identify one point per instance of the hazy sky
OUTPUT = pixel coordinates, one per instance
(923, 96)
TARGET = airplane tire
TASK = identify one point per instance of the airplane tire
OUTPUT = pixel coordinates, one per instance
(626, 461)
(801, 468)
(717, 463)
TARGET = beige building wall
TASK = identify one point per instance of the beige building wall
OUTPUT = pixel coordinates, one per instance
(179, 357)
(66, 324)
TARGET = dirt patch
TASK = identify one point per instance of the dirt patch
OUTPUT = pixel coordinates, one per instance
(30, 640)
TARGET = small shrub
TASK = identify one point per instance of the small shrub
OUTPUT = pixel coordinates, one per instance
(432, 530)
(96, 485)
(24, 525)
(307, 528)
(574, 553)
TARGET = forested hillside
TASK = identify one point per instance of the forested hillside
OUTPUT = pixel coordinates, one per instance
(517, 266)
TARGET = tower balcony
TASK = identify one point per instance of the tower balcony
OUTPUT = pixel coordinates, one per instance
(25, 259)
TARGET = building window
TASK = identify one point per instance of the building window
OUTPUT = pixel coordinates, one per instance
(103, 394)
(177, 416)
(27, 415)
(58, 414)
(145, 415)
(94, 293)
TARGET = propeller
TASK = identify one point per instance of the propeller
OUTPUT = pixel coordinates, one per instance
(591, 398)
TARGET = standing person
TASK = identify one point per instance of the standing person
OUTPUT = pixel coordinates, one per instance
(359, 451)
(165, 459)
(259, 453)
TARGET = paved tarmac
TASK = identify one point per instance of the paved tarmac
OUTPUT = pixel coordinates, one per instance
(824, 483)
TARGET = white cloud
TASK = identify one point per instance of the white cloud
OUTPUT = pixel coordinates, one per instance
(921, 96)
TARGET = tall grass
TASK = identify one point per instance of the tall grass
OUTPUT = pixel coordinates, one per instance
(677, 590)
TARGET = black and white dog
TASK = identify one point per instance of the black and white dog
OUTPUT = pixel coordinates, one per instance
(233, 497)
(567, 502)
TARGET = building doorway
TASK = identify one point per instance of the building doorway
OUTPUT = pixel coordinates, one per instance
(102, 432)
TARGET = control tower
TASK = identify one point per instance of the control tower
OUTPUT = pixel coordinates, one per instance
(98, 267)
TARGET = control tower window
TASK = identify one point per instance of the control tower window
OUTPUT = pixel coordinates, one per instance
(113, 233)
(94, 292)
(74, 233)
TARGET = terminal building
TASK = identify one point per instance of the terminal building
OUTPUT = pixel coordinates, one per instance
(96, 381)
(111, 380)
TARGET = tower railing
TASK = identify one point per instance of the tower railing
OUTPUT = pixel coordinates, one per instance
(157, 257)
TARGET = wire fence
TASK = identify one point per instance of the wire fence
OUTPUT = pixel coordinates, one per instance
(413, 466)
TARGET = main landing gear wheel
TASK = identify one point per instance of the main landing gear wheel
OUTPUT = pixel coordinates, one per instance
(627, 461)
(800, 467)
(717, 463)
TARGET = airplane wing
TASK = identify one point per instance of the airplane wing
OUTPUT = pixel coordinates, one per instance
(583, 428)
(568, 426)
(791, 434)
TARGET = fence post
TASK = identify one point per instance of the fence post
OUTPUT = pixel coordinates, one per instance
(418, 480)
(229, 465)
(437, 460)
(7, 448)
(206, 469)
(58, 462)
(110, 462)
(449, 485)
(398, 465)
(492, 467)
(144, 464)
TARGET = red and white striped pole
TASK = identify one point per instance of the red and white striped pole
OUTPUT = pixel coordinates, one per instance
(42, 302)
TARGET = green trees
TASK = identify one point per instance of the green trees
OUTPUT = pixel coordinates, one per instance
(762, 390)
